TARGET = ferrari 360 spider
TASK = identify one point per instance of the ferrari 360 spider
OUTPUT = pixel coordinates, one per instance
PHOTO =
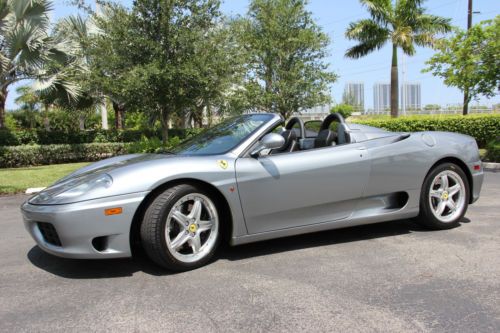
(250, 179)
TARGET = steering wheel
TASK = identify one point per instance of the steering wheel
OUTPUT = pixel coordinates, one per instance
(302, 128)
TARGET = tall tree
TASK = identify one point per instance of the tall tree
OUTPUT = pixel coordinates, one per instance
(470, 61)
(404, 24)
(161, 48)
(26, 48)
(286, 52)
(112, 65)
(219, 69)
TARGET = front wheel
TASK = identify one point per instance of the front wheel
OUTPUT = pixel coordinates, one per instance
(444, 198)
(180, 230)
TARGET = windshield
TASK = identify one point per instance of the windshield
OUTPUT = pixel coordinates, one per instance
(223, 137)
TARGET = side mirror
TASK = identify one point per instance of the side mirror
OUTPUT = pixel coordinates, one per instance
(269, 141)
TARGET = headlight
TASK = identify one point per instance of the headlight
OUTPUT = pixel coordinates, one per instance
(103, 181)
(65, 191)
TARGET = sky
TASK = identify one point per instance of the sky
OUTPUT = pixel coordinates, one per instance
(334, 16)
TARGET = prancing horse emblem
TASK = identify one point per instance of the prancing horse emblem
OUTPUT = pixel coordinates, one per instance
(223, 164)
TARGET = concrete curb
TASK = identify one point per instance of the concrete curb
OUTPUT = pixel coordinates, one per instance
(491, 166)
(34, 190)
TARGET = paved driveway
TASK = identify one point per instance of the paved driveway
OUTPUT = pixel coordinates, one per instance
(389, 277)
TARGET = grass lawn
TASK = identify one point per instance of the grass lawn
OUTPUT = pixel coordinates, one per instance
(17, 180)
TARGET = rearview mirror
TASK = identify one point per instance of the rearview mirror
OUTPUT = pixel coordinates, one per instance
(269, 141)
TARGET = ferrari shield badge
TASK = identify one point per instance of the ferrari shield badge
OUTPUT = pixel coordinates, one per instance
(223, 164)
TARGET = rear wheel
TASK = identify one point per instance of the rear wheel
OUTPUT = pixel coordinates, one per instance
(444, 198)
(180, 230)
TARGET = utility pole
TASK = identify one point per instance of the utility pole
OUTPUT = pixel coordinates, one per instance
(469, 15)
(466, 91)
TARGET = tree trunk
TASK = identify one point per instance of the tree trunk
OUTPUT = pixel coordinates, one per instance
(104, 113)
(3, 98)
(164, 126)
(209, 115)
(81, 122)
(46, 120)
(465, 110)
(394, 82)
(119, 109)
(199, 118)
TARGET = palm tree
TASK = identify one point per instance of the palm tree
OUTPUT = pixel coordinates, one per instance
(29, 101)
(26, 50)
(404, 24)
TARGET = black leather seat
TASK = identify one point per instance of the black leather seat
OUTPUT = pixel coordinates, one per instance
(325, 138)
(290, 142)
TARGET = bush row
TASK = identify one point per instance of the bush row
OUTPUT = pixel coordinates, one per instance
(28, 155)
(43, 137)
(493, 151)
(483, 128)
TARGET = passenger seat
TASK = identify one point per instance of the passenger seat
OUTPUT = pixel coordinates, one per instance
(325, 138)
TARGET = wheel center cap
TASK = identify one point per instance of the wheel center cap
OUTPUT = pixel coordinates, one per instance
(192, 228)
(445, 195)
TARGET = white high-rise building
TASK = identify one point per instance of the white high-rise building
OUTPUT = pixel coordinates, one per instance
(356, 92)
(381, 97)
(411, 96)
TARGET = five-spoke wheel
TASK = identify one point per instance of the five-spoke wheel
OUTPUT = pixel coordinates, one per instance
(180, 230)
(191, 228)
(444, 198)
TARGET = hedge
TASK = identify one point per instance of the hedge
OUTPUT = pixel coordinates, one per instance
(493, 151)
(483, 128)
(30, 155)
(43, 137)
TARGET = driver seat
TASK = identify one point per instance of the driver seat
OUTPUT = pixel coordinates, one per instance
(290, 142)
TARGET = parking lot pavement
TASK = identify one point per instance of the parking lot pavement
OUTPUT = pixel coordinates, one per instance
(388, 277)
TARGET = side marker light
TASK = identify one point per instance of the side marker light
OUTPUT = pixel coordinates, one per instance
(113, 211)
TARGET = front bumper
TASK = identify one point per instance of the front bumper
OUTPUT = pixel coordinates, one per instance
(82, 228)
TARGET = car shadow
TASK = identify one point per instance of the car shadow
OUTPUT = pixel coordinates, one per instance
(113, 268)
(93, 269)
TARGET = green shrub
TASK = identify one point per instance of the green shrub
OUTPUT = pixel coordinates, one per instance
(483, 128)
(43, 137)
(152, 145)
(27, 155)
(145, 145)
(344, 109)
(493, 151)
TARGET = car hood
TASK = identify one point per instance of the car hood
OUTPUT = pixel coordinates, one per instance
(130, 174)
(110, 164)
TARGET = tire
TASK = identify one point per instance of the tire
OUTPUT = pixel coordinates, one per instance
(181, 227)
(444, 197)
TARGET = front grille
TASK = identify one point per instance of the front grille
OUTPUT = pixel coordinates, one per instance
(49, 233)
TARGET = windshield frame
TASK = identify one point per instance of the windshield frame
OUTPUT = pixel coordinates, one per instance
(264, 124)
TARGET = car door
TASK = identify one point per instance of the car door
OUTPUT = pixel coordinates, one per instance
(301, 188)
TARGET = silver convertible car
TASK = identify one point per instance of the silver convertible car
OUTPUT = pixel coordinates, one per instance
(250, 179)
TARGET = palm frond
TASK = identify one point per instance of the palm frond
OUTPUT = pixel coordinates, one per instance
(366, 30)
(364, 48)
(427, 23)
(369, 33)
(425, 39)
(57, 86)
(380, 10)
